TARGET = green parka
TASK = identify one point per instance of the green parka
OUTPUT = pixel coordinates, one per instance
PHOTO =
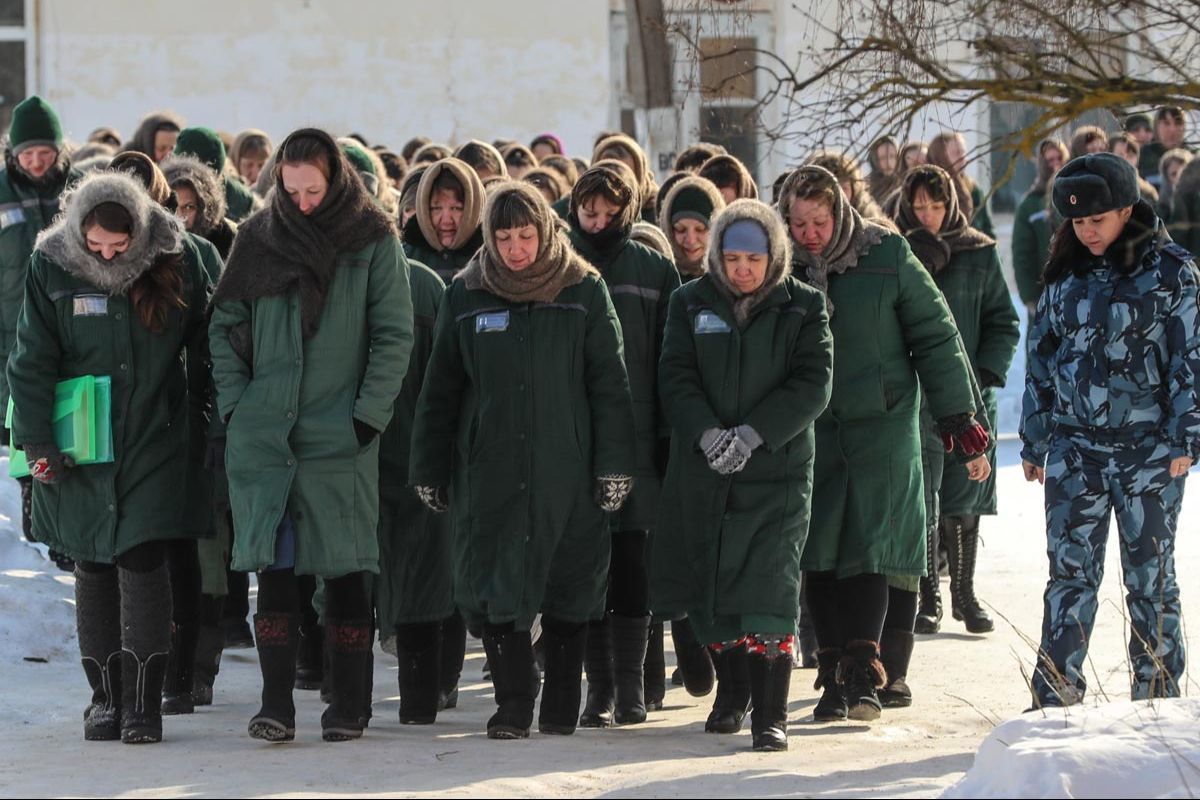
(291, 440)
(523, 406)
(640, 282)
(890, 325)
(25, 210)
(415, 582)
(727, 548)
(77, 319)
(1032, 232)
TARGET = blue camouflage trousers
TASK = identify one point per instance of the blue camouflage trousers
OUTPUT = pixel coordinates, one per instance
(1086, 481)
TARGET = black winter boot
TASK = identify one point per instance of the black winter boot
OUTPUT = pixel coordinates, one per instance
(929, 611)
(310, 664)
(510, 656)
(770, 679)
(630, 638)
(695, 664)
(454, 651)
(831, 707)
(145, 643)
(962, 544)
(98, 622)
(733, 690)
(598, 664)
(654, 669)
(350, 643)
(564, 646)
(418, 649)
(210, 643)
(861, 674)
(895, 651)
(276, 636)
(177, 689)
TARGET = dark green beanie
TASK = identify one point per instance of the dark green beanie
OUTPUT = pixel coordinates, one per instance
(34, 124)
(692, 203)
(1094, 184)
(362, 164)
(204, 144)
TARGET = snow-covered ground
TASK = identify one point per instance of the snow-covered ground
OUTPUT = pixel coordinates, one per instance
(965, 687)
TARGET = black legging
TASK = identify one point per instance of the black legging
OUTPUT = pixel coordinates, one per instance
(847, 609)
(145, 557)
(346, 598)
(628, 582)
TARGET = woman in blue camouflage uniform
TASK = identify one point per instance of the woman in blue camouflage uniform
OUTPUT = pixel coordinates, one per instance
(1111, 422)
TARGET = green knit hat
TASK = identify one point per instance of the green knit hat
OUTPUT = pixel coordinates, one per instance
(692, 203)
(362, 164)
(34, 124)
(204, 144)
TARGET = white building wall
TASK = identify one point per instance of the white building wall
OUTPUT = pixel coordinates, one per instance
(450, 69)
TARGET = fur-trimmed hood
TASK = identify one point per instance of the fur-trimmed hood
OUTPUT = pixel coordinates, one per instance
(646, 185)
(155, 231)
(691, 182)
(191, 172)
(746, 189)
(654, 238)
(778, 267)
(473, 203)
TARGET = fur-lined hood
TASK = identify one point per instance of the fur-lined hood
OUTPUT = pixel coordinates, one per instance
(646, 185)
(473, 202)
(241, 140)
(654, 238)
(155, 231)
(778, 268)
(683, 184)
(191, 172)
(747, 189)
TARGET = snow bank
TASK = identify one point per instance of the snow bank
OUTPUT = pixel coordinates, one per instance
(1125, 749)
(37, 606)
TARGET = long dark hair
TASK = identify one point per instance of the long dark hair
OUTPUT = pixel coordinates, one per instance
(1068, 256)
(160, 288)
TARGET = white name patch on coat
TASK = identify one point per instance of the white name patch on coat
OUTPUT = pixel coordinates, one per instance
(708, 322)
(91, 305)
(13, 216)
(494, 322)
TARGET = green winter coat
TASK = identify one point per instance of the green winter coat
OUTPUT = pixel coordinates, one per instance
(727, 548)
(1032, 232)
(240, 202)
(523, 406)
(24, 212)
(415, 582)
(974, 288)
(640, 282)
(890, 325)
(982, 217)
(291, 440)
(160, 406)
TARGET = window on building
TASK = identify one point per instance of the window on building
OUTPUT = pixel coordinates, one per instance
(13, 84)
(728, 96)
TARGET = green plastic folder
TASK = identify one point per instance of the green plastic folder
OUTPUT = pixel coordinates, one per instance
(82, 420)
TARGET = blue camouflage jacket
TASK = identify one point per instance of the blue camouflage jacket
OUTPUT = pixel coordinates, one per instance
(1116, 352)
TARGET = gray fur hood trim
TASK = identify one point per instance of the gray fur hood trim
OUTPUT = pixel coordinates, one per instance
(780, 265)
(155, 231)
(207, 185)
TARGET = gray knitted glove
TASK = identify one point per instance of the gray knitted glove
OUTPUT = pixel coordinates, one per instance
(715, 443)
(612, 491)
(435, 498)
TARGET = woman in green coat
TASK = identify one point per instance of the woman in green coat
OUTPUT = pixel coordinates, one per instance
(526, 424)
(604, 208)
(746, 369)
(890, 326)
(446, 230)
(414, 590)
(311, 332)
(687, 212)
(966, 267)
(1032, 225)
(115, 289)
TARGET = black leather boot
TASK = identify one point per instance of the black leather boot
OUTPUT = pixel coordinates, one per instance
(350, 643)
(654, 669)
(929, 608)
(831, 707)
(181, 664)
(514, 675)
(962, 544)
(210, 643)
(418, 649)
(98, 623)
(695, 664)
(564, 644)
(770, 679)
(733, 690)
(454, 651)
(861, 674)
(276, 635)
(895, 651)
(598, 665)
(630, 638)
